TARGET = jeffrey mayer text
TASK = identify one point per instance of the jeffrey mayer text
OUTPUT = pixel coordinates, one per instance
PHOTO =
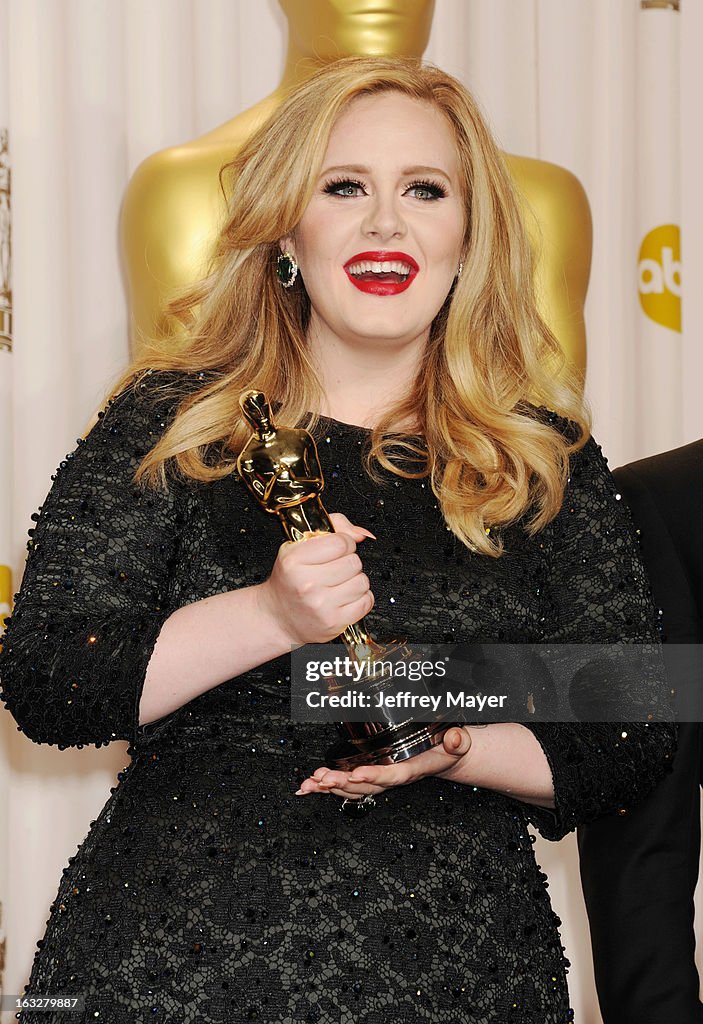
(405, 699)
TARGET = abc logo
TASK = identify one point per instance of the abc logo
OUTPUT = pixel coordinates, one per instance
(659, 275)
(5, 593)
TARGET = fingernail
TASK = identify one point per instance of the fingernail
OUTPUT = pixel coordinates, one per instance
(299, 792)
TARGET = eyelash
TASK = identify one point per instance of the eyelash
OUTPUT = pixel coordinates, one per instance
(436, 190)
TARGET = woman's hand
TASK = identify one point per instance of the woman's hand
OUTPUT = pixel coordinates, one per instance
(446, 760)
(317, 587)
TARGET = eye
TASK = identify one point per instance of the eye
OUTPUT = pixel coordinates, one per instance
(339, 186)
(346, 187)
(432, 190)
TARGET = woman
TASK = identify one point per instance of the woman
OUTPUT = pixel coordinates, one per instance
(374, 279)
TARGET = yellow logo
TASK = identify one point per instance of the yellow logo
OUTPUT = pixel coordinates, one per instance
(659, 275)
(5, 594)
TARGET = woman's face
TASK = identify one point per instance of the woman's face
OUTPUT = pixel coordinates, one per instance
(379, 244)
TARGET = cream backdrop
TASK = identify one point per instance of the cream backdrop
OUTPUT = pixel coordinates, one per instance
(88, 88)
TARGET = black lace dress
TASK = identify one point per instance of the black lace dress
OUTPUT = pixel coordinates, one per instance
(206, 891)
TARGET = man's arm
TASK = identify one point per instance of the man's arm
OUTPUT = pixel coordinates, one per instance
(639, 870)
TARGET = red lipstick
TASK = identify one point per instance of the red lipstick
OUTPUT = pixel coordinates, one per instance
(382, 283)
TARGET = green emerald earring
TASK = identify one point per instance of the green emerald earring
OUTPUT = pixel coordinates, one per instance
(286, 269)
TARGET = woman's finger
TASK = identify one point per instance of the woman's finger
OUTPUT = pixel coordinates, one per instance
(356, 793)
(320, 547)
(344, 525)
(457, 741)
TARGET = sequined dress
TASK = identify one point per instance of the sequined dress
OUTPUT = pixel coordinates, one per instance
(206, 891)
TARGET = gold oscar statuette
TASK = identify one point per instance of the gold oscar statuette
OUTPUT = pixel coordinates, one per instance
(281, 468)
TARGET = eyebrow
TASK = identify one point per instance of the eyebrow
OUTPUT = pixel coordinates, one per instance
(357, 169)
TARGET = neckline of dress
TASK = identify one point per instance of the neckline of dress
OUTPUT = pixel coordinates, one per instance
(357, 428)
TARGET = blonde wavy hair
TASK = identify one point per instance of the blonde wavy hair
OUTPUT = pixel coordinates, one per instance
(490, 361)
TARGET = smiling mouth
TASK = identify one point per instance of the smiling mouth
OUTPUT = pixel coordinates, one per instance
(388, 271)
(381, 273)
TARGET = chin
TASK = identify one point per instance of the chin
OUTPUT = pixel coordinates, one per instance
(386, 332)
(389, 326)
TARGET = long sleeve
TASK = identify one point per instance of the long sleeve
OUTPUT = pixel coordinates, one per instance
(639, 872)
(94, 593)
(596, 591)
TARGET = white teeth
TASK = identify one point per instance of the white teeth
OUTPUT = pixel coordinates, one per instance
(392, 266)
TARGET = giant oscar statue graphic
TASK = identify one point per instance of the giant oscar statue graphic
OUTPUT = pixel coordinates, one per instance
(280, 466)
(173, 208)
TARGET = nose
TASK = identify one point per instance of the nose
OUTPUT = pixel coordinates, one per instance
(384, 218)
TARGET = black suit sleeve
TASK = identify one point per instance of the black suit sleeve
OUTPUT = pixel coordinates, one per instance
(639, 870)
